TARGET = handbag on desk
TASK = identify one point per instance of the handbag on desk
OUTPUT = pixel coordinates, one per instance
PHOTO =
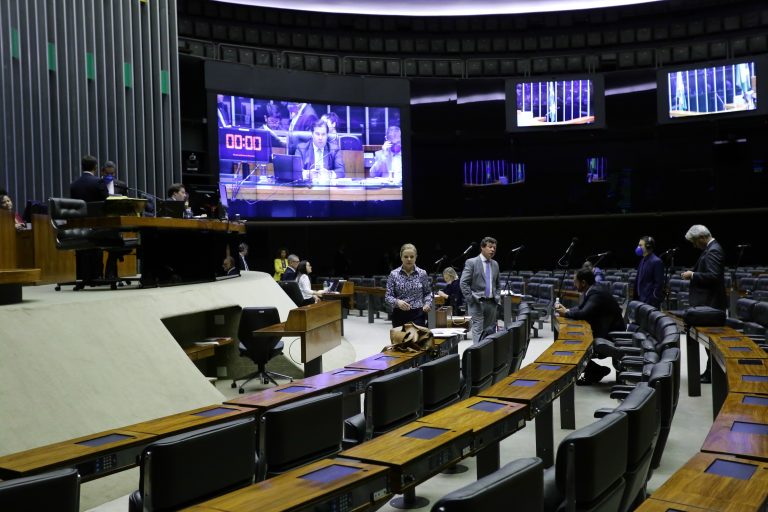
(410, 338)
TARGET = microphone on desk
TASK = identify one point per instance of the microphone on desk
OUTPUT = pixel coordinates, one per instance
(744, 246)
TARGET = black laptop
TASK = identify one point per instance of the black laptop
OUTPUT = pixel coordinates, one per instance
(287, 168)
(170, 208)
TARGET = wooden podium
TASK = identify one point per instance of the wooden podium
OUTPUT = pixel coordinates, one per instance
(319, 327)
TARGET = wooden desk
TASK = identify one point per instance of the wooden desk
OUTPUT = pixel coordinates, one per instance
(413, 459)
(357, 486)
(11, 281)
(692, 485)
(537, 385)
(104, 453)
(319, 327)
(740, 428)
(386, 362)
(747, 375)
(346, 297)
(350, 381)
(174, 250)
(653, 505)
(490, 421)
(370, 292)
(7, 239)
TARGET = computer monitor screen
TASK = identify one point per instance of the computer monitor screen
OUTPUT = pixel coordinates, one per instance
(481, 173)
(597, 169)
(560, 102)
(290, 158)
(711, 90)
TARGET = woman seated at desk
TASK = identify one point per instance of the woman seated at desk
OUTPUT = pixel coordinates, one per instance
(302, 271)
(7, 204)
(452, 291)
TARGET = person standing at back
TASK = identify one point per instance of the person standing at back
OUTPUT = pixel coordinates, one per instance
(481, 288)
(88, 187)
(707, 278)
(649, 286)
(409, 291)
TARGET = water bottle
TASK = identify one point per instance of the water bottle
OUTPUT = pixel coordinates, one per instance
(557, 302)
(188, 213)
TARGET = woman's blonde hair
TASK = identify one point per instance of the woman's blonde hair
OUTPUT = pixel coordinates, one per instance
(406, 247)
(450, 272)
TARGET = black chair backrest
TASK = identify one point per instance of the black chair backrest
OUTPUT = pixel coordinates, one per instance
(663, 381)
(516, 486)
(477, 367)
(61, 208)
(194, 466)
(502, 353)
(642, 316)
(299, 433)
(760, 314)
(744, 308)
(392, 401)
(56, 490)
(597, 455)
(632, 308)
(291, 288)
(441, 382)
(255, 318)
(642, 412)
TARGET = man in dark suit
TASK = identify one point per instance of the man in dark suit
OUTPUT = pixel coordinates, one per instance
(649, 286)
(319, 160)
(88, 186)
(242, 252)
(290, 271)
(115, 187)
(707, 278)
(481, 287)
(600, 309)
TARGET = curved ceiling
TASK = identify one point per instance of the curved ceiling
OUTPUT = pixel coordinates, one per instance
(436, 7)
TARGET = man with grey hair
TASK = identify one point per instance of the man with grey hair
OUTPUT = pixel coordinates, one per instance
(707, 278)
(290, 271)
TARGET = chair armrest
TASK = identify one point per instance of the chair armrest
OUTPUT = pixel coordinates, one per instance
(629, 377)
(630, 352)
(619, 394)
(354, 430)
(620, 335)
(604, 411)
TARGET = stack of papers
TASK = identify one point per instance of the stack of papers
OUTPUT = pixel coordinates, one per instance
(447, 332)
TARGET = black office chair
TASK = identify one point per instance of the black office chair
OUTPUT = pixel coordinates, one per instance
(299, 433)
(441, 380)
(588, 475)
(515, 486)
(56, 490)
(520, 339)
(188, 468)
(390, 402)
(642, 412)
(291, 288)
(477, 368)
(87, 240)
(259, 349)
(502, 353)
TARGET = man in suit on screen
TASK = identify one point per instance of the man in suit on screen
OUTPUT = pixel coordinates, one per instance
(319, 160)
(481, 288)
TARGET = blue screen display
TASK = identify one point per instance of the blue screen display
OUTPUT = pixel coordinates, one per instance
(294, 159)
(712, 90)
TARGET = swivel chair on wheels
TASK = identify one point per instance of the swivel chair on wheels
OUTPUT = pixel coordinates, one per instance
(260, 349)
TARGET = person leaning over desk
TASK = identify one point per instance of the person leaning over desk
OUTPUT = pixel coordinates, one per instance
(409, 291)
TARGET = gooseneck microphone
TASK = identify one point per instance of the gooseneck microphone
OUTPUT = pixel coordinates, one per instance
(517, 249)
(744, 246)
(669, 251)
(438, 262)
(469, 249)
(601, 254)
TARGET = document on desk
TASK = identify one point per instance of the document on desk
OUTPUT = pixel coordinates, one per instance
(447, 332)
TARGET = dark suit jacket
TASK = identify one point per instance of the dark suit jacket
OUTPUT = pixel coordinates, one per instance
(649, 287)
(708, 283)
(332, 159)
(88, 188)
(601, 310)
(121, 188)
(472, 280)
(289, 274)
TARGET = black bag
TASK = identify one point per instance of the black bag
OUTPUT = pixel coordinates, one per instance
(704, 316)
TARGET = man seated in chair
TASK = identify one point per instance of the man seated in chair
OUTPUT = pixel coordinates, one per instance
(600, 309)
(320, 162)
(389, 160)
